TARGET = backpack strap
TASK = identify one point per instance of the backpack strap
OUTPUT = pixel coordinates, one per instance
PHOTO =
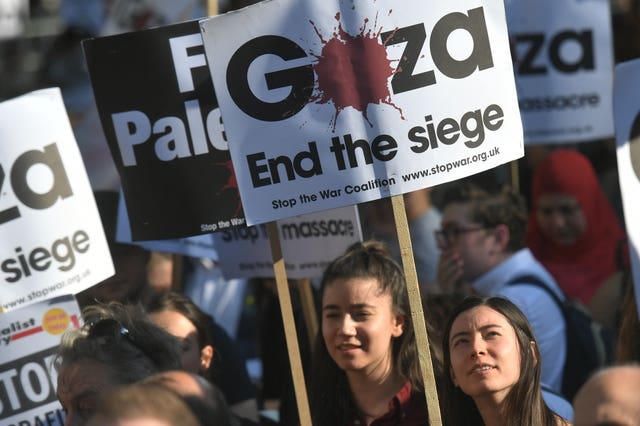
(536, 282)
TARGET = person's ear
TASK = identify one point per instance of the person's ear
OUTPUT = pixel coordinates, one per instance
(206, 355)
(398, 325)
(502, 236)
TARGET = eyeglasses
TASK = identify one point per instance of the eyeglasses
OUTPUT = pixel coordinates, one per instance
(449, 235)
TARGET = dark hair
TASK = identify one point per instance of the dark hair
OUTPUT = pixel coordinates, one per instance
(628, 342)
(331, 402)
(143, 400)
(437, 308)
(208, 404)
(134, 348)
(524, 405)
(492, 208)
(176, 302)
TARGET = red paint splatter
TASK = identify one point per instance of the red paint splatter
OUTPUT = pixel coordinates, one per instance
(231, 184)
(353, 71)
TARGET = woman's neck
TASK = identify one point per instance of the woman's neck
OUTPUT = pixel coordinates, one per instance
(491, 408)
(371, 394)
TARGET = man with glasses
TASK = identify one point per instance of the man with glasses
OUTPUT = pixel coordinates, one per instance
(482, 252)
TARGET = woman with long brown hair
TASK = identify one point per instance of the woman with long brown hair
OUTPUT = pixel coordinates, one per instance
(492, 367)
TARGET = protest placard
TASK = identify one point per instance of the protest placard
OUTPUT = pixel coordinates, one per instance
(309, 243)
(563, 61)
(14, 15)
(162, 122)
(53, 240)
(626, 98)
(333, 103)
(29, 339)
(196, 246)
(126, 15)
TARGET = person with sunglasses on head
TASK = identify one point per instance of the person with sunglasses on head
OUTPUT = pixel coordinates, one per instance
(117, 345)
(482, 243)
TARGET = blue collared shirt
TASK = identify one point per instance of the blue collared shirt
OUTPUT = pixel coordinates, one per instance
(540, 309)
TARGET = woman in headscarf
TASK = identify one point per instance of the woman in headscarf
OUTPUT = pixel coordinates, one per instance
(572, 229)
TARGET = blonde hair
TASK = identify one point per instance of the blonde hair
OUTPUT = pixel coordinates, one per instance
(143, 400)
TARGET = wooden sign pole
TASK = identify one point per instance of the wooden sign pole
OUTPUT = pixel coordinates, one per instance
(417, 315)
(291, 337)
(212, 7)
(286, 308)
(308, 310)
(515, 176)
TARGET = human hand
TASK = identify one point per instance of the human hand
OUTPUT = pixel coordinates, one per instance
(450, 269)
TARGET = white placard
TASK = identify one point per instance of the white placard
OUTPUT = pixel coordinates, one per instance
(29, 340)
(328, 103)
(126, 15)
(563, 55)
(14, 15)
(627, 113)
(308, 243)
(52, 237)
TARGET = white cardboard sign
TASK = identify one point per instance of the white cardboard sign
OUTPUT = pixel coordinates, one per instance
(29, 340)
(126, 16)
(309, 243)
(52, 237)
(627, 113)
(328, 103)
(14, 16)
(563, 55)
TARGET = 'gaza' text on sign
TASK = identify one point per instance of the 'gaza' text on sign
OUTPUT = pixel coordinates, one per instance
(528, 62)
(49, 157)
(301, 80)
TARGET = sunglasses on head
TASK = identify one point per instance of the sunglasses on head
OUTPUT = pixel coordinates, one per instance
(110, 330)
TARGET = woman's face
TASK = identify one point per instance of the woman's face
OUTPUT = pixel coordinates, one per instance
(561, 219)
(181, 327)
(485, 357)
(358, 325)
(80, 385)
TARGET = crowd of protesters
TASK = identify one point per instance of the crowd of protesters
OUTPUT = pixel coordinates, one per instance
(483, 250)
(497, 342)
